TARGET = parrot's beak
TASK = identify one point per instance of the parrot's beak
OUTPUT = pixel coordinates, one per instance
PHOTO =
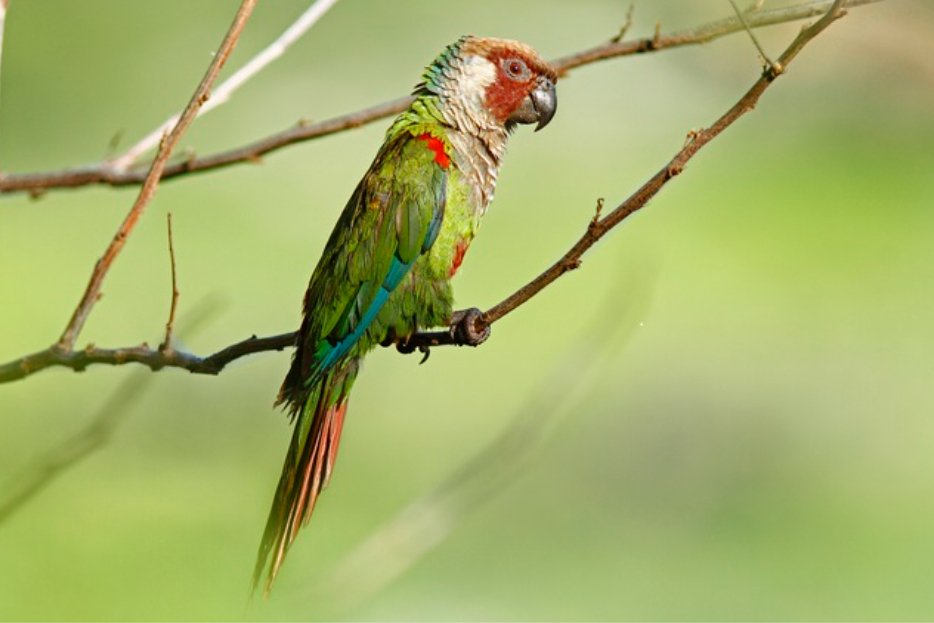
(539, 105)
(545, 101)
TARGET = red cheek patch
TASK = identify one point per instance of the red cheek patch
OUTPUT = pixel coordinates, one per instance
(434, 144)
(504, 96)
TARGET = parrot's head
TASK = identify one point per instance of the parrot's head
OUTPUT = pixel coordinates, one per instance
(485, 83)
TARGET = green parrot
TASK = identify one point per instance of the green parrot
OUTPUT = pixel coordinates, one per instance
(386, 270)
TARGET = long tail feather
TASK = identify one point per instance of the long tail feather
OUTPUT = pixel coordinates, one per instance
(307, 469)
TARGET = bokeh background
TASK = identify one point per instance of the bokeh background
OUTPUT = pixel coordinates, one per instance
(727, 413)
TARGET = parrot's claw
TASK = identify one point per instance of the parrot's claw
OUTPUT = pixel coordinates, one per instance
(465, 330)
(426, 353)
(406, 348)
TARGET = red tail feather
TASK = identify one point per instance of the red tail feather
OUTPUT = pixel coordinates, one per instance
(308, 468)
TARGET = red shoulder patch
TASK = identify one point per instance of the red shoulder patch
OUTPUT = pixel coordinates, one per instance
(436, 145)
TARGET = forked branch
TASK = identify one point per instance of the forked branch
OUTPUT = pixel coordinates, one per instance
(92, 292)
(598, 227)
(116, 174)
(226, 89)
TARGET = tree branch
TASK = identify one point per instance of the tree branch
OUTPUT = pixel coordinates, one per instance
(173, 301)
(153, 358)
(755, 18)
(227, 88)
(202, 93)
(598, 227)
(401, 542)
(4, 4)
(106, 173)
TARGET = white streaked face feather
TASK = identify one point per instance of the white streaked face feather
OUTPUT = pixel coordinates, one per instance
(465, 94)
(477, 73)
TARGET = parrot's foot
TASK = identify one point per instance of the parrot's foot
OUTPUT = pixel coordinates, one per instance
(407, 347)
(467, 328)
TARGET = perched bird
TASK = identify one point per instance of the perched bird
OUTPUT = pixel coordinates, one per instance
(386, 269)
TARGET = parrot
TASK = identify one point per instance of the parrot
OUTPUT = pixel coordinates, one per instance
(386, 269)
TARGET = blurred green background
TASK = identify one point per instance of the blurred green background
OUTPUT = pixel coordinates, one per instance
(734, 393)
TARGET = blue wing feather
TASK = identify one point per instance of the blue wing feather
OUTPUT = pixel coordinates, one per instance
(333, 352)
(363, 308)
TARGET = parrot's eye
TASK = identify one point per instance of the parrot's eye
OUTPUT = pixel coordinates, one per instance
(516, 69)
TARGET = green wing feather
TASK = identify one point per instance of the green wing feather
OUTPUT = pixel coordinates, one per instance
(392, 218)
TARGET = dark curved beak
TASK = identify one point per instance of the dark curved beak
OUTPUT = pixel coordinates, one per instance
(545, 101)
(539, 106)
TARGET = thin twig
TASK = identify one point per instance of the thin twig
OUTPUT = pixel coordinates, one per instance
(104, 173)
(755, 41)
(225, 89)
(599, 227)
(93, 291)
(626, 25)
(4, 5)
(166, 344)
(697, 35)
(596, 228)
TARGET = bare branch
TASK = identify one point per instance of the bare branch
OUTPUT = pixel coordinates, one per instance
(93, 291)
(227, 88)
(597, 227)
(38, 183)
(752, 35)
(170, 323)
(4, 4)
(701, 34)
(106, 174)
(626, 25)
(153, 358)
